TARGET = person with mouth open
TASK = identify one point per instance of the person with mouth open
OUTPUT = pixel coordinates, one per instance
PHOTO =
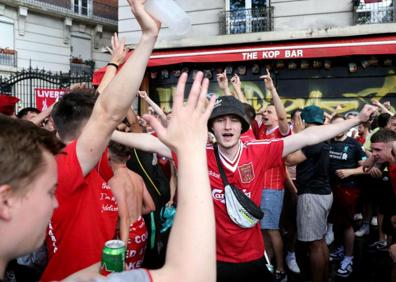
(240, 251)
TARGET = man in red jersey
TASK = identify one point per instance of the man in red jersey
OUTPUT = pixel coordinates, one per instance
(275, 125)
(87, 213)
(240, 251)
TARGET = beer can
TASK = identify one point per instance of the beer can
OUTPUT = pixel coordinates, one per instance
(113, 257)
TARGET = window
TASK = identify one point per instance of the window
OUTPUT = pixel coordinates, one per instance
(82, 7)
(246, 16)
(81, 47)
(373, 11)
(7, 35)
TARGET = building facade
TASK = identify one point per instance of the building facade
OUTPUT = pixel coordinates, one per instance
(55, 35)
(318, 51)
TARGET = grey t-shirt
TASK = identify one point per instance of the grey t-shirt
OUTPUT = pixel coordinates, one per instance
(137, 275)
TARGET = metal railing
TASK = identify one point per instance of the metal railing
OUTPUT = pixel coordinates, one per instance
(246, 20)
(22, 84)
(100, 12)
(81, 68)
(8, 59)
(365, 12)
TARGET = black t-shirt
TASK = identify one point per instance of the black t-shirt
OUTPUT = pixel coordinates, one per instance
(312, 175)
(344, 155)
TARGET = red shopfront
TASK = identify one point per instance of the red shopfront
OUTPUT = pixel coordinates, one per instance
(326, 72)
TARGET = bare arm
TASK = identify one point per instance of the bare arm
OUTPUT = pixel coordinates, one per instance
(113, 104)
(295, 158)
(222, 80)
(236, 83)
(172, 184)
(316, 134)
(344, 173)
(118, 52)
(280, 109)
(186, 134)
(377, 103)
(37, 120)
(289, 183)
(142, 141)
(155, 107)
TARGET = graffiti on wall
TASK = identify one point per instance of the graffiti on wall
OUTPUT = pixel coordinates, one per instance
(350, 93)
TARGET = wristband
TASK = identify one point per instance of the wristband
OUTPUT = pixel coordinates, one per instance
(113, 64)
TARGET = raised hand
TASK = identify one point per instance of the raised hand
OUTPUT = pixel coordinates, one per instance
(188, 127)
(269, 84)
(222, 80)
(143, 94)
(118, 51)
(366, 113)
(148, 24)
(236, 82)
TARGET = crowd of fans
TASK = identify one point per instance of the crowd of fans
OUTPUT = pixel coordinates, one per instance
(88, 169)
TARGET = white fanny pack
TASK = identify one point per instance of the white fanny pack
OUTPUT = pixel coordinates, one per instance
(240, 208)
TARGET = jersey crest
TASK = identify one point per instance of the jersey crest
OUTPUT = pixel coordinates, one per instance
(246, 172)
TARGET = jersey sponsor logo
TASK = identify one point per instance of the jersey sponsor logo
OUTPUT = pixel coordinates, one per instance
(246, 173)
(218, 195)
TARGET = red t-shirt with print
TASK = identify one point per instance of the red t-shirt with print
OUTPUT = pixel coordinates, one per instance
(85, 219)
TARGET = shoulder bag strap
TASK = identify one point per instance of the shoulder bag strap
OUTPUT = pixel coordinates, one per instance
(219, 165)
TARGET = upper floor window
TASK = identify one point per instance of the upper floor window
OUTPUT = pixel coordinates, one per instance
(7, 51)
(373, 11)
(7, 35)
(82, 7)
(243, 16)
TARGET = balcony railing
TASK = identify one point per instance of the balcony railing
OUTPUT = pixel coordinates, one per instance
(246, 20)
(8, 59)
(81, 68)
(366, 12)
(100, 12)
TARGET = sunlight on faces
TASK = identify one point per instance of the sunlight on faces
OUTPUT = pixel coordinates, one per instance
(382, 152)
(269, 116)
(227, 130)
(32, 211)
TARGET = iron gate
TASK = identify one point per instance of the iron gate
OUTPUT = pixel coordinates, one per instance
(22, 84)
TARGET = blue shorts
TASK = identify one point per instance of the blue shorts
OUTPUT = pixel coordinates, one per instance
(271, 204)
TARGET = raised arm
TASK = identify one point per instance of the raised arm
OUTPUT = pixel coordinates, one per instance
(118, 56)
(190, 242)
(38, 120)
(377, 103)
(142, 141)
(236, 83)
(156, 108)
(279, 108)
(113, 104)
(222, 80)
(316, 134)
